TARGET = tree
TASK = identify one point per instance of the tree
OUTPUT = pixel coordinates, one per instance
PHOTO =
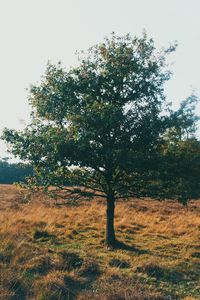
(99, 126)
(179, 175)
(13, 172)
(179, 170)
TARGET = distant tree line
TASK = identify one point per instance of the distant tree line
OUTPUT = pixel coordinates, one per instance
(14, 172)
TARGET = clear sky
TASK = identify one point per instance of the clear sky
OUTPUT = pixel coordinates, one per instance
(35, 31)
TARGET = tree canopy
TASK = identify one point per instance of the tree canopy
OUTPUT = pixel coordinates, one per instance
(105, 125)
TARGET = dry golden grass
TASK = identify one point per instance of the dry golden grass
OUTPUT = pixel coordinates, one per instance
(50, 251)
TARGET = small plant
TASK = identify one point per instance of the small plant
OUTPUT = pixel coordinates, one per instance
(122, 264)
(89, 269)
(52, 287)
(12, 285)
(152, 269)
(40, 234)
(40, 265)
(69, 261)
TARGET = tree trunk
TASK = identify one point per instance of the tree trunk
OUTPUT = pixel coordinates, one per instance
(110, 232)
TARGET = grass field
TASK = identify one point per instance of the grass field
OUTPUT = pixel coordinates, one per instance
(57, 251)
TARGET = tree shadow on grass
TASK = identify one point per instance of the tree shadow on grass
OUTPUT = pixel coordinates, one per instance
(177, 275)
(123, 246)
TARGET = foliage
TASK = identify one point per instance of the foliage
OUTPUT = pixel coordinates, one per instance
(103, 116)
(179, 174)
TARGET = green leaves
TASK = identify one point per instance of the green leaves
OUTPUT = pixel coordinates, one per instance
(51, 100)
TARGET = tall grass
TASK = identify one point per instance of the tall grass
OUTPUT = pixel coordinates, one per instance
(50, 251)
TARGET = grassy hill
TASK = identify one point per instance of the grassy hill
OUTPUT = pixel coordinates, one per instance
(56, 251)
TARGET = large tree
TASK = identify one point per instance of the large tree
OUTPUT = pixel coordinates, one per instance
(102, 125)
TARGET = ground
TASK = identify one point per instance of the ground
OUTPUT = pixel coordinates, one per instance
(55, 251)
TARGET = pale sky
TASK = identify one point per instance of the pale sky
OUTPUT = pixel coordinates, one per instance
(35, 31)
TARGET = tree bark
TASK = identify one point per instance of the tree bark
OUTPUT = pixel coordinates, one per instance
(110, 231)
